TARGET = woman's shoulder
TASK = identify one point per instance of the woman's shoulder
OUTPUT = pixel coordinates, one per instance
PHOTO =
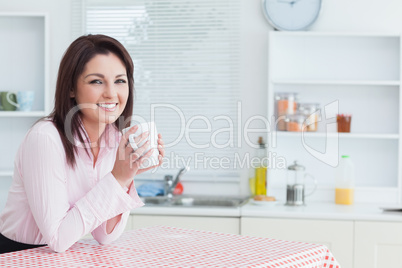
(44, 130)
(44, 126)
(42, 137)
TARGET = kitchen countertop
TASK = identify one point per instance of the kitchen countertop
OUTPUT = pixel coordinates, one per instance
(188, 211)
(319, 211)
(323, 211)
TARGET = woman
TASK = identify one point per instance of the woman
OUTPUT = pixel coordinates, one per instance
(74, 171)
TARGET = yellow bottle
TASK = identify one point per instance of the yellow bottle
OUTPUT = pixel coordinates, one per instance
(261, 170)
(345, 182)
(261, 181)
(344, 196)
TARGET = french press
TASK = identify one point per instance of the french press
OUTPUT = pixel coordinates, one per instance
(295, 185)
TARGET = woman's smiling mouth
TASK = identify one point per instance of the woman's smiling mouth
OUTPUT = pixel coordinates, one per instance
(109, 107)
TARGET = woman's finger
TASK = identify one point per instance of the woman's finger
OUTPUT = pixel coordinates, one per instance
(129, 149)
(125, 138)
(161, 150)
(160, 158)
(134, 156)
(144, 157)
(145, 169)
(143, 136)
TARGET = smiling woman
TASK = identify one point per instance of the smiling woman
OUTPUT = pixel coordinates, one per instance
(74, 170)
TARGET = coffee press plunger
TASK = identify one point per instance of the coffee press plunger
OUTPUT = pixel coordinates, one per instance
(295, 185)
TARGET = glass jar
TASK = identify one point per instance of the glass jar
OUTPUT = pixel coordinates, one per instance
(295, 122)
(343, 121)
(311, 112)
(285, 104)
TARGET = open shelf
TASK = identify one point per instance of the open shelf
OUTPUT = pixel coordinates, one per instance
(339, 82)
(6, 173)
(22, 114)
(336, 135)
(345, 73)
(340, 34)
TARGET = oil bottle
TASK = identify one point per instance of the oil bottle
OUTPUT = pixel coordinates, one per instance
(261, 169)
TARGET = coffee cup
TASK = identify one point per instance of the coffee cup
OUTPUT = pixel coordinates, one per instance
(152, 137)
(24, 100)
(1, 103)
(8, 101)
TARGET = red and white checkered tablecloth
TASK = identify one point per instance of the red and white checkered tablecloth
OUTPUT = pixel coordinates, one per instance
(174, 247)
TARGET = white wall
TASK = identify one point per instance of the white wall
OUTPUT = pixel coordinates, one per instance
(337, 15)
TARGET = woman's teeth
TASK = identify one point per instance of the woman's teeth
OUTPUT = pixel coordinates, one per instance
(110, 106)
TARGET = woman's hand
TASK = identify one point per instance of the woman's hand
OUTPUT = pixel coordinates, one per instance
(128, 161)
(161, 149)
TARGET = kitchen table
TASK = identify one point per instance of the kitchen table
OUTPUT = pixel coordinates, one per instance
(175, 247)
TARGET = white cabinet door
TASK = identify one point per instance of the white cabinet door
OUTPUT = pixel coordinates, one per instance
(378, 244)
(336, 235)
(229, 225)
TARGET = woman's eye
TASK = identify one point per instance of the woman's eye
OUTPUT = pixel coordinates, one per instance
(95, 82)
(120, 81)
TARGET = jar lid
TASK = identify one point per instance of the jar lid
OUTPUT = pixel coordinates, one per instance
(286, 95)
(308, 107)
(296, 167)
(298, 118)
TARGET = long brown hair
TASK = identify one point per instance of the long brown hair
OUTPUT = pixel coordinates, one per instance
(72, 65)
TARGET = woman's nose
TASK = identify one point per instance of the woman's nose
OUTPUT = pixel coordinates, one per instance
(109, 91)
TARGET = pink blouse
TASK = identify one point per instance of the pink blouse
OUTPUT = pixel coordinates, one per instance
(51, 203)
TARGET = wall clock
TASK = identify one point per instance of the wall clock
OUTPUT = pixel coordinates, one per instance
(291, 15)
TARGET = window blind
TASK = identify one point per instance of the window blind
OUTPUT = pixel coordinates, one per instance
(186, 56)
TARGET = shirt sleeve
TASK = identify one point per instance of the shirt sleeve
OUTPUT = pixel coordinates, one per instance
(43, 168)
(100, 234)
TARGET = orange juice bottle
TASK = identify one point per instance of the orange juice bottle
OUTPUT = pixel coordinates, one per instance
(345, 181)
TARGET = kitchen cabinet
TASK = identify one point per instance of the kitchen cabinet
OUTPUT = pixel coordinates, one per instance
(336, 235)
(378, 244)
(346, 73)
(230, 225)
(24, 66)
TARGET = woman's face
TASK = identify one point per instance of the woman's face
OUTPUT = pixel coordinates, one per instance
(102, 90)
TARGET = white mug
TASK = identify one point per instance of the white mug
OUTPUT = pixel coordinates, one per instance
(153, 138)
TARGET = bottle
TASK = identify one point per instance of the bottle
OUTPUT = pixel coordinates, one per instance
(345, 181)
(261, 170)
